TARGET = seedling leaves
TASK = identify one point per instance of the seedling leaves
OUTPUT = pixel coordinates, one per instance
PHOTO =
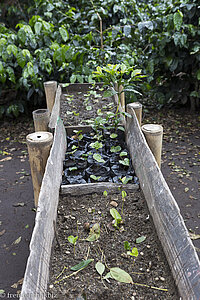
(120, 275)
(114, 213)
(2, 292)
(194, 236)
(94, 233)
(81, 265)
(127, 245)
(107, 276)
(140, 239)
(115, 149)
(100, 267)
(72, 239)
(109, 93)
(113, 135)
(133, 252)
(95, 177)
(98, 158)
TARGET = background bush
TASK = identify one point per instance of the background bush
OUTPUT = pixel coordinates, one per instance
(43, 40)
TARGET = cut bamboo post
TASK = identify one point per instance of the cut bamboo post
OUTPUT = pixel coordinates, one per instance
(41, 119)
(50, 88)
(153, 134)
(39, 145)
(122, 98)
(137, 107)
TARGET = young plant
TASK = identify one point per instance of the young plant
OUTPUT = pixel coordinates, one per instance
(117, 217)
(72, 239)
(123, 200)
(96, 145)
(96, 178)
(133, 253)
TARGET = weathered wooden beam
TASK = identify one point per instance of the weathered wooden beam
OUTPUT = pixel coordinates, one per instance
(55, 111)
(169, 224)
(99, 188)
(37, 269)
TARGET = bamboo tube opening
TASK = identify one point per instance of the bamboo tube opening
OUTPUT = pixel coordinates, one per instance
(154, 134)
(41, 119)
(50, 88)
(137, 107)
(39, 145)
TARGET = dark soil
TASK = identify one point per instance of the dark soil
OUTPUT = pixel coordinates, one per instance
(79, 107)
(181, 162)
(150, 272)
(16, 203)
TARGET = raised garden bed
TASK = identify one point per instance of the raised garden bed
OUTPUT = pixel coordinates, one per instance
(162, 207)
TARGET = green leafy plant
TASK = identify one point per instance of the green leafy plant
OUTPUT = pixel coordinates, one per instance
(96, 178)
(72, 239)
(117, 217)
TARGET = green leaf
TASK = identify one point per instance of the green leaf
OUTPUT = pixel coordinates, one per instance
(127, 30)
(116, 215)
(127, 245)
(81, 265)
(94, 233)
(12, 49)
(134, 252)
(100, 267)
(125, 162)
(124, 194)
(178, 20)
(38, 27)
(98, 158)
(115, 149)
(72, 168)
(109, 93)
(2, 292)
(120, 275)
(95, 177)
(107, 276)
(17, 241)
(64, 33)
(140, 239)
(72, 78)
(113, 136)
(105, 193)
(72, 239)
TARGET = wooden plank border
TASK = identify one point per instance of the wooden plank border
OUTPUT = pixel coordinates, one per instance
(97, 187)
(55, 111)
(37, 269)
(169, 224)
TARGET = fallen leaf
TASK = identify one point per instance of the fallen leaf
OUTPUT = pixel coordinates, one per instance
(194, 236)
(186, 189)
(6, 158)
(19, 282)
(81, 265)
(2, 232)
(140, 239)
(100, 267)
(120, 275)
(17, 241)
(94, 233)
(19, 204)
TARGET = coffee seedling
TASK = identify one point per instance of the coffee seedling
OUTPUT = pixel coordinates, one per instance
(72, 239)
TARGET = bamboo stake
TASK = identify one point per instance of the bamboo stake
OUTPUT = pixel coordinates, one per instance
(137, 107)
(41, 119)
(39, 145)
(50, 88)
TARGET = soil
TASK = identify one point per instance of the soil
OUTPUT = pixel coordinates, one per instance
(79, 107)
(16, 203)
(151, 262)
(150, 272)
(181, 162)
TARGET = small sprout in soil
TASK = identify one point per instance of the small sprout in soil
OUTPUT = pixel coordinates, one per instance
(96, 178)
(116, 216)
(72, 239)
(127, 246)
(115, 149)
(125, 162)
(123, 153)
(125, 179)
(124, 194)
(72, 168)
(105, 193)
(133, 253)
(94, 233)
(96, 145)
(98, 158)
(89, 107)
(78, 135)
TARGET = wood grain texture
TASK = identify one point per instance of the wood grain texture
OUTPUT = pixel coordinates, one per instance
(99, 188)
(55, 111)
(170, 227)
(37, 269)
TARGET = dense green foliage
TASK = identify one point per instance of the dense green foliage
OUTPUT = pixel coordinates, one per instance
(61, 40)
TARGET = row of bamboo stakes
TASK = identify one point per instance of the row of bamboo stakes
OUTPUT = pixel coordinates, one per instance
(39, 142)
